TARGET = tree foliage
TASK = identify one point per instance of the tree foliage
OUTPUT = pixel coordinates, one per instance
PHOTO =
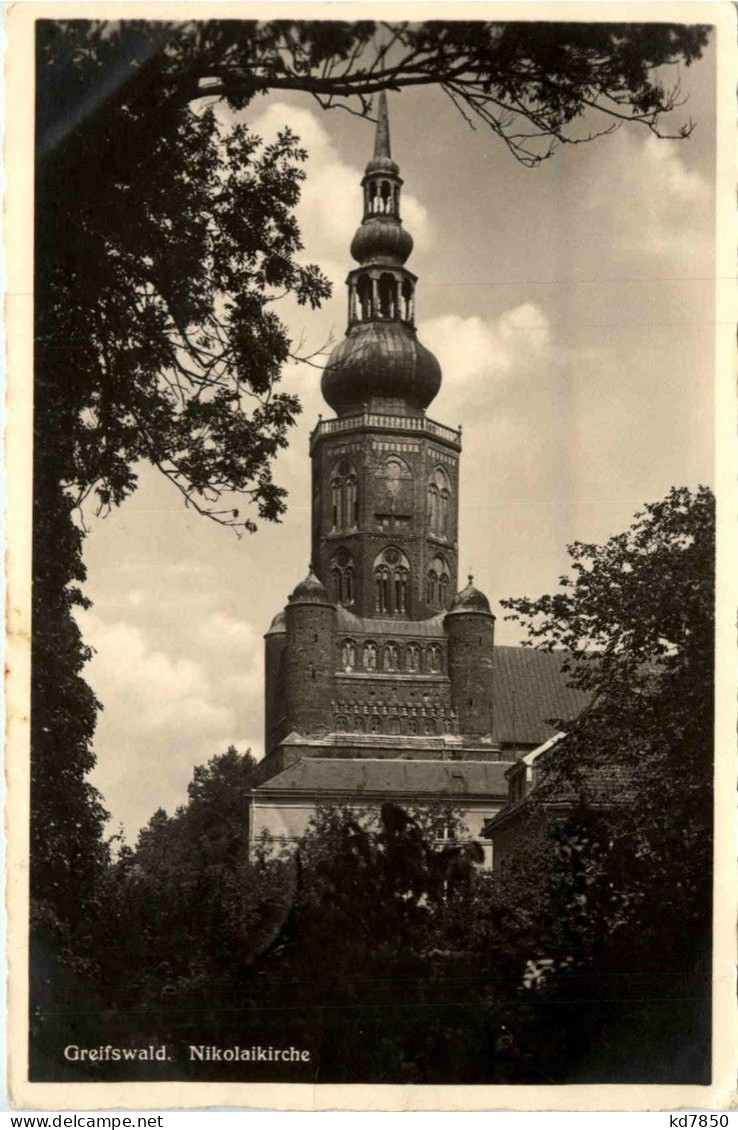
(629, 885)
(163, 240)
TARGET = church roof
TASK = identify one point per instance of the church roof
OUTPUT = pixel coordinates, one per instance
(529, 687)
(310, 591)
(366, 776)
(470, 599)
(365, 625)
(380, 359)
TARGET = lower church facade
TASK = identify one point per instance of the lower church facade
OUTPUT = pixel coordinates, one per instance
(383, 681)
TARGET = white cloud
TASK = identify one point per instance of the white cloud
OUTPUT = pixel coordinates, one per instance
(476, 352)
(166, 709)
(644, 199)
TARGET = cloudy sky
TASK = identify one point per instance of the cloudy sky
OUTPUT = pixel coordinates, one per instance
(571, 308)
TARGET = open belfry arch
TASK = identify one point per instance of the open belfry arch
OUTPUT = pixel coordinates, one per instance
(383, 681)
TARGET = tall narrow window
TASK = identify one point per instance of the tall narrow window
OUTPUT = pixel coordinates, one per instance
(344, 496)
(342, 576)
(348, 655)
(439, 583)
(382, 575)
(392, 581)
(387, 296)
(439, 494)
(431, 588)
(407, 301)
(364, 292)
(351, 501)
(335, 495)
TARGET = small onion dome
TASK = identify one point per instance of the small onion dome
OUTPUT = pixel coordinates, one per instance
(382, 163)
(278, 624)
(382, 359)
(309, 591)
(382, 239)
(470, 600)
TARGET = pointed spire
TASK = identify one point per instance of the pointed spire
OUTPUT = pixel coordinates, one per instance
(382, 137)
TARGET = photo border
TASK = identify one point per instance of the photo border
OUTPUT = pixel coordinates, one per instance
(19, 136)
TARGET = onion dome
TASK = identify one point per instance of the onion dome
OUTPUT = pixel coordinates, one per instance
(278, 624)
(382, 239)
(470, 599)
(380, 359)
(380, 365)
(310, 591)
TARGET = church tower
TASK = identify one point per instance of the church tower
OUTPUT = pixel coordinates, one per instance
(375, 656)
(382, 682)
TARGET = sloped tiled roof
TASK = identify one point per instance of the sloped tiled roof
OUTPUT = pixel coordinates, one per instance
(528, 689)
(359, 625)
(359, 776)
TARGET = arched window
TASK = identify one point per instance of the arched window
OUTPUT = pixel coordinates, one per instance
(341, 722)
(439, 494)
(387, 296)
(351, 500)
(336, 585)
(370, 656)
(392, 581)
(391, 657)
(407, 301)
(359, 724)
(342, 577)
(400, 578)
(438, 583)
(348, 655)
(412, 657)
(433, 658)
(431, 588)
(344, 496)
(394, 725)
(335, 504)
(376, 724)
(364, 292)
(382, 578)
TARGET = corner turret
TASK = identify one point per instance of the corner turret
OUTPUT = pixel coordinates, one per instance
(470, 627)
(310, 620)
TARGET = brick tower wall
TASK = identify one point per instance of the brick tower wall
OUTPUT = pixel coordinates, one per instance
(274, 704)
(388, 515)
(470, 659)
(309, 664)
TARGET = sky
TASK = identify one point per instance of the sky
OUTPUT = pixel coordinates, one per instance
(571, 308)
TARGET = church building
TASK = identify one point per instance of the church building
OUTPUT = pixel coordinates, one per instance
(383, 681)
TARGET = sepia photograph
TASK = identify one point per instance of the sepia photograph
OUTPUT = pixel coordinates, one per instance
(372, 671)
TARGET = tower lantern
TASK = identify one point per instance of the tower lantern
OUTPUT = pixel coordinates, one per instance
(380, 364)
